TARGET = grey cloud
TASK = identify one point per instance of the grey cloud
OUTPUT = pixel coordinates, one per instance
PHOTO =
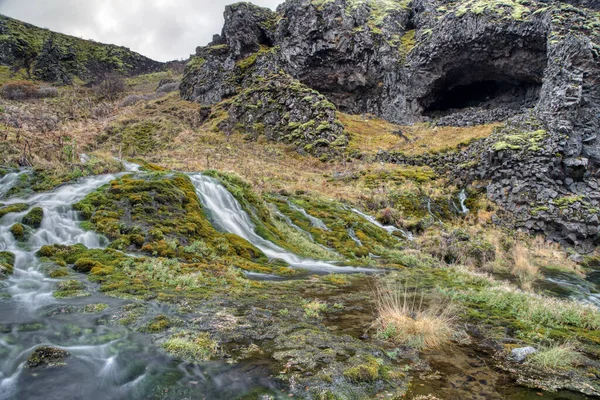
(160, 29)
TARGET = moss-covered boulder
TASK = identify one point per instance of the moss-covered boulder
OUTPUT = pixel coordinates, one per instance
(159, 214)
(47, 356)
(7, 263)
(13, 208)
(19, 232)
(34, 217)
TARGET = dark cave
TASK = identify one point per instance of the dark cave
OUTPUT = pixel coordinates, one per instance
(482, 89)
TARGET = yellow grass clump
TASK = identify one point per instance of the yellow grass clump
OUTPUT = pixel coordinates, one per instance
(404, 319)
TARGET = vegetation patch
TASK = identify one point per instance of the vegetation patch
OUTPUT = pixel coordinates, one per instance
(191, 347)
(7, 263)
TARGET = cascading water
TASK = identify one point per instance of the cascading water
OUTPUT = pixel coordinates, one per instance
(462, 197)
(27, 290)
(107, 360)
(227, 214)
(390, 229)
(8, 181)
(316, 222)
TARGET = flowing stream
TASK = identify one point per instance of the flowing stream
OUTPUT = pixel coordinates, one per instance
(107, 360)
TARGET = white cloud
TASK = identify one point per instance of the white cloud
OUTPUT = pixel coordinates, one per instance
(160, 29)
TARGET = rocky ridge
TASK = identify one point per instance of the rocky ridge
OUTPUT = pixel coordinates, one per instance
(531, 64)
(58, 58)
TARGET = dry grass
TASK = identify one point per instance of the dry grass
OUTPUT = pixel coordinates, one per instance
(526, 271)
(552, 255)
(406, 320)
(370, 134)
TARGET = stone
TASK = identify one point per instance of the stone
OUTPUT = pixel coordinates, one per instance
(47, 356)
(521, 353)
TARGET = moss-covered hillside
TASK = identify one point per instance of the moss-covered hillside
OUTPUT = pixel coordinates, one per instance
(32, 52)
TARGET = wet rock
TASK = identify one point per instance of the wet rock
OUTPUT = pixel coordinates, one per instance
(521, 353)
(47, 356)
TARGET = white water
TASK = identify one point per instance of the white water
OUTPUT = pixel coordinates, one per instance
(462, 196)
(352, 235)
(29, 290)
(389, 228)
(8, 181)
(227, 215)
(316, 222)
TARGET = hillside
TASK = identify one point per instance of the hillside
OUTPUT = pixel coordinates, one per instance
(286, 74)
(335, 200)
(32, 52)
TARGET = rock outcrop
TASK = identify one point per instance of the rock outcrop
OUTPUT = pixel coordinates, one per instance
(58, 58)
(532, 64)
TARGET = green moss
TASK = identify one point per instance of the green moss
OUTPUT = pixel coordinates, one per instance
(366, 369)
(78, 57)
(139, 137)
(19, 232)
(13, 208)
(7, 263)
(407, 43)
(523, 140)
(192, 347)
(505, 9)
(85, 265)
(34, 217)
(158, 324)
(94, 308)
(69, 289)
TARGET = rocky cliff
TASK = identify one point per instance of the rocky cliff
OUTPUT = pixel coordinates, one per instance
(58, 58)
(532, 64)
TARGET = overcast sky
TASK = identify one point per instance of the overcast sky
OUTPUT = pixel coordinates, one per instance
(160, 29)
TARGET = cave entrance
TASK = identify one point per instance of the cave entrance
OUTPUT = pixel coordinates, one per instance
(480, 88)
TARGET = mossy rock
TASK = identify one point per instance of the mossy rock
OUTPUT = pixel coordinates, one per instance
(34, 217)
(364, 369)
(158, 324)
(19, 232)
(7, 263)
(47, 356)
(13, 208)
(85, 265)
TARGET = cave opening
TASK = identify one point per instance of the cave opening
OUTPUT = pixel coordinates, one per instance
(480, 88)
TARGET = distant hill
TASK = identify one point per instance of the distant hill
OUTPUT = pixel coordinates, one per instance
(54, 57)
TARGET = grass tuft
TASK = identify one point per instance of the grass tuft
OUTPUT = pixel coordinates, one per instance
(406, 320)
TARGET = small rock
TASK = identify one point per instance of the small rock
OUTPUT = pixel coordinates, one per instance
(46, 355)
(521, 353)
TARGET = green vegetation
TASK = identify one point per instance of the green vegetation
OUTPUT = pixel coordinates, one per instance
(7, 262)
(34, 217)
(192, 347)
(518, 141)
(505, 9)
(33, 49)
(555, 357)
(13, 208)
(19, 232)
(69, 289)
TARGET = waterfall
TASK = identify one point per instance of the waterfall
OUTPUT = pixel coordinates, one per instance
(8, 181)
(227, 215)
(462, 196)
(316, 222)
(389, 228)
(28, 291)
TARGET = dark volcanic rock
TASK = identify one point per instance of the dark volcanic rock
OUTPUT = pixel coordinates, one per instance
(533, 64)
